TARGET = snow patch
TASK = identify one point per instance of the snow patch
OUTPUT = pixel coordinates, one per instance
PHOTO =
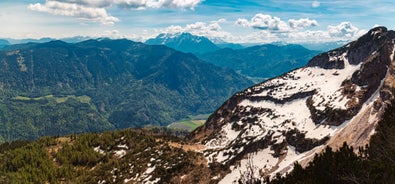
(291, 157)
(261, 161)
(326, 83)
(123, 146)
(228, 135)
(392, 54)
(120, 153)
(99, 150)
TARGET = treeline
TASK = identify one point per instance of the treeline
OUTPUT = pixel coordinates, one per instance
(373, 164)
(94, 157)
(30, 119)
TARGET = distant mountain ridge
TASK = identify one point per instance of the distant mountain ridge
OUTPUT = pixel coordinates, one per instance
(106, 84)
(184, 42)
(258, 62)
(3, 43)
(74, 39)
(262, 61)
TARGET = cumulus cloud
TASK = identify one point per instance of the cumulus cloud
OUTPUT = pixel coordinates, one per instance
(275, 24)
(96, 10)
(214, 31)
(211, 29)
(344, 29)
(142, 4)
(295, 30)
(315, 4)
(267, 29)
(89, 3)
(302, 23)
(264, 22)
(75, 10)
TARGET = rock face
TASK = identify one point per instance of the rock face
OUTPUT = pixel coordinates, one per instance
(338, 96)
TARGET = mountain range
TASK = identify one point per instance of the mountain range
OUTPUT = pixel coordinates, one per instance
(75, 39)
(3, 43)
(282, 130)
(258, 62)
(110, 80)
(59, 88)
(262, 61)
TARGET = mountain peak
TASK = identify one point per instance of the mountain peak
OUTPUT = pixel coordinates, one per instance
(356, 51)
(55, 43)
(377, 32)
(185, 42)
(338, 96)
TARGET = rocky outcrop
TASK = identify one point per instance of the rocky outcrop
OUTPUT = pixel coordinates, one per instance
(338, 96)
(373, 52)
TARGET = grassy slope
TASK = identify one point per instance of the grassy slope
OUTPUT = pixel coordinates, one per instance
(191, 123)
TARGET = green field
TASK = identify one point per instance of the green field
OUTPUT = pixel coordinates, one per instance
(191, 123)
(62, 99)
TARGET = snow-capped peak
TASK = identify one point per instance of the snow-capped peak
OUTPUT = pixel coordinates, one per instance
(286, 119)
(184, 42)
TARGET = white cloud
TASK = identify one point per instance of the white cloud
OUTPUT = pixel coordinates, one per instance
(243, 22)
(275, 24)
(210, 29)
(302, 23)
(142, 4)
(75, 10)
(344, 30)
(96, 10)
(214, 31)
(173, 29)
(296, 32)
(89, 3)
(264, 22)
(135, 4)
(203, 27)
(315, 4)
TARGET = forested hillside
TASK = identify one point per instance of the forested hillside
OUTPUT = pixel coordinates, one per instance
(111, 157)
(59, 88)
(262, 61)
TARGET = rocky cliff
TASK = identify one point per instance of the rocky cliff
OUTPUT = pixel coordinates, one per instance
(338, 96)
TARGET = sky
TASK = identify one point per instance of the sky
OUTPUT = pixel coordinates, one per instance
(244, 21)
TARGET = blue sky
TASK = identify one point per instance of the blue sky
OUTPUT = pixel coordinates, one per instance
(246, 21)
